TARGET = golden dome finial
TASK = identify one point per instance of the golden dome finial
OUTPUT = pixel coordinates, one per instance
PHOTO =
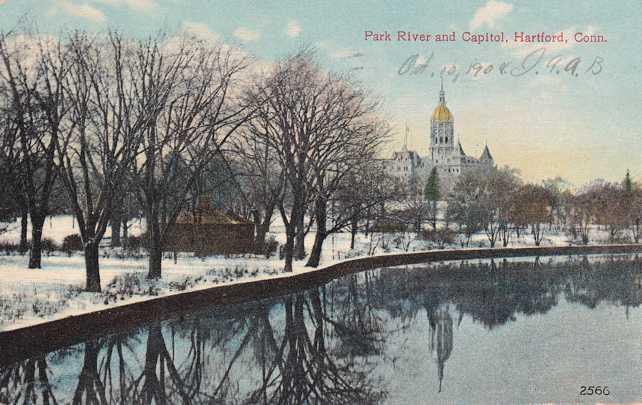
(442, 113)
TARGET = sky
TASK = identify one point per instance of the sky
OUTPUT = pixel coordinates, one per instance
(546, 124)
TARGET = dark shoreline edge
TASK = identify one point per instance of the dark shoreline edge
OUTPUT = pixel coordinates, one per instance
(22, 343)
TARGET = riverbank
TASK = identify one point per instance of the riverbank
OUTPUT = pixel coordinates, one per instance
(22, 342)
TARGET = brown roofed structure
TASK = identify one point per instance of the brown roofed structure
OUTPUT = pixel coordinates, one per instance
(207, 230)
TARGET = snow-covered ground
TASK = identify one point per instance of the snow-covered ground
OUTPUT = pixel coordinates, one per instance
(29, 296)
(59, 226)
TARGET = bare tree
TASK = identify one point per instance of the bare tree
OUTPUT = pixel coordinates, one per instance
(190, 87)
(532, 209)
(102, 137)
(287, 113)
(582, 215)
(464, 205)
(345, 153)
(263, 179)
(307, 116)
(609, 201)
(363, 191)
(497, 189)
(33, 73)
(11, 195)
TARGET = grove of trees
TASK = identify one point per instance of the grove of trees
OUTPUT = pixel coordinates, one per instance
(112, 123)
(101, 126)
(499, 204)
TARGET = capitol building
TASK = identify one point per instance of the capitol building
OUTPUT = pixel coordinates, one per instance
(445, 153)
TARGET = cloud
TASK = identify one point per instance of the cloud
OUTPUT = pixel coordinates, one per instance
(338, 52)
(294, 28)
(345, 53)
(84, 10)
(489, 14)
(144, 6)
(246, 34)
(201, 31)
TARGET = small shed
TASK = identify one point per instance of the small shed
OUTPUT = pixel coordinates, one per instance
(206, 230)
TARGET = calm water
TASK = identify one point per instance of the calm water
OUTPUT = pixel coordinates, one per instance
(472, 332)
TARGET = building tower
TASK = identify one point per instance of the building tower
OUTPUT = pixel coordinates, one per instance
(442, 123)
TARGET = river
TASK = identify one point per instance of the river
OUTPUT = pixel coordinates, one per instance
(477, 331)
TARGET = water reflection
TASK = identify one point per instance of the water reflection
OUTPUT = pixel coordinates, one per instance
(332, 344)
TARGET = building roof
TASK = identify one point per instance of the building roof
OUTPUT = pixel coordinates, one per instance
(204, 214)
(405, 153)
(442, 114)
(486, 154)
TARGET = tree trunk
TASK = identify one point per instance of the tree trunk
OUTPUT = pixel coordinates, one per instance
(155, 248)
(92, 270)
(288, 250)
(35, 255)
(353, 232)
(434, 215)
(368, 213)
(315, 254)
(115, 226)
(537, 236)
(259, 238)
(155, 259)
(262, 227)
(125, 228)
(321, 220)
(24, 220)
(503, 234)
(299, 244)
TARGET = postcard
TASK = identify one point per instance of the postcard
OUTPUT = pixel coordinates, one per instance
(358, 202)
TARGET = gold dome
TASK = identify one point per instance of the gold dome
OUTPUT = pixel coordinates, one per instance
(442, 113)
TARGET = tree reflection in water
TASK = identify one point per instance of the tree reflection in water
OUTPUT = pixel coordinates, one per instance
(322, 346)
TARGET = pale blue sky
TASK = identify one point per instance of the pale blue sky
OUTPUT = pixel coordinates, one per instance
(545, 124)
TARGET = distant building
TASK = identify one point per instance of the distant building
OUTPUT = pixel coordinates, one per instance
(206, 230)
(445, 153)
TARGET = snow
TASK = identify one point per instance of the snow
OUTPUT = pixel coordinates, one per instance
(59, 226)
(31, 296)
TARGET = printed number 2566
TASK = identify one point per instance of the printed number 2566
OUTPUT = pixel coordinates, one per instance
(594, 390)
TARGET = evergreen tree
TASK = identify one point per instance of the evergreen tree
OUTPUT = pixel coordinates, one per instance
(433, 195)
(627, 184)
(631, 205)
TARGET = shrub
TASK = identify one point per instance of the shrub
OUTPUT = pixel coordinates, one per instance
(270, 246)
(136, 243)
(49, 246)
(128, 285)
(12, 307)
(187, 282)
(72, 243)
(9, 247)
(388, 226)
(440, 237)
